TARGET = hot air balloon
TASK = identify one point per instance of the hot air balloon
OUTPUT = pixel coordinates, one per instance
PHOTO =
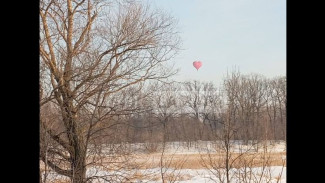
(197, 64)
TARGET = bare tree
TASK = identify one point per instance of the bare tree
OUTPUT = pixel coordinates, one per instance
(193, 98)
(243, 104)
(221, 166)
(276, 106)
(89, 51)
(170, 167)
(280, 95)
(194, 105)
(255, 91)
(165, 105)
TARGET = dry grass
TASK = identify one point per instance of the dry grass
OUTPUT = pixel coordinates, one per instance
(170, 177)
(194, 161)
(61, 181)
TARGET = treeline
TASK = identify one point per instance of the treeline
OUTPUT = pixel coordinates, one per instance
(254, 106)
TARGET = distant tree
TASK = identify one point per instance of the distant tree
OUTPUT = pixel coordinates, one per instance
(165, 106)
(192, 98)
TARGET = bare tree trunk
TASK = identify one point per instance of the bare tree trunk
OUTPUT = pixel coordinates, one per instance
(78, 166)
(40, 176)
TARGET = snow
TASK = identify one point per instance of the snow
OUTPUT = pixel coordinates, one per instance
(213, 146)
(203, 176)
(270, 174)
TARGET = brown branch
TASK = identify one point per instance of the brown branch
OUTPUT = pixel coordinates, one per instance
(56, 168)
(82, 36)
(59, 153)
(56, 138)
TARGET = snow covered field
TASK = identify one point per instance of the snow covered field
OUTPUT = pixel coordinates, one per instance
(215, 146)
(191, 171)
(202, 147)
(275, 174)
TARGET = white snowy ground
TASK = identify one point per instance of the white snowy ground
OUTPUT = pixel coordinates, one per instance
(208, 146)
(273, 174)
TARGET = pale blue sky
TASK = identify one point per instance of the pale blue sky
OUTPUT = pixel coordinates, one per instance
(223, 34)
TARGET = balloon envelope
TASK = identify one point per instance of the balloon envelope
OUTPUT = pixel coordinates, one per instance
(197, 64)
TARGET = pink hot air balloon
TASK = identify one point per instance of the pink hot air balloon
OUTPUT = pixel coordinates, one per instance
(197, 64)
